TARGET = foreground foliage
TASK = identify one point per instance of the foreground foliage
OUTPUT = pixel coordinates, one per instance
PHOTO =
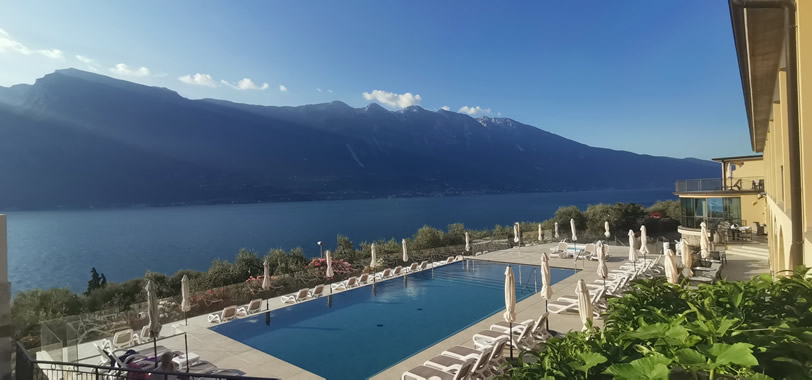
(757, 329)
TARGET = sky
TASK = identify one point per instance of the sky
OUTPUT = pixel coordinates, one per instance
(651, 77)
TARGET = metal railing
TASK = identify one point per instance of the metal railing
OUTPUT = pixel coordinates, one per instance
(720, 184)
(28, 368)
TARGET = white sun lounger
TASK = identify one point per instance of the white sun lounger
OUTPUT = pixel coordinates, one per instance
(494, 362)
(449, 364)
(449, 260)
(521, 341)
(386, 273)
(397, 271)
(301, 295)
(317, 291)
(538, 327)
(251, 308)
(428, 373)
(561, 250)
(228, 313)
(614, 287)
(363, 278)
(411, 268)
(346, 284)
(571, 304)
(587, 253)
(124, 338)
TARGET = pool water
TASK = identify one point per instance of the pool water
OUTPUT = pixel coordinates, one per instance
(358, 333)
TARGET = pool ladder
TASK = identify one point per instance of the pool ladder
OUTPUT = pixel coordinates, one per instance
(534, 274)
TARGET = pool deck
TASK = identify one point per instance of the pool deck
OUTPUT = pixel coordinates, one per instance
(737, 268)
(225, 352)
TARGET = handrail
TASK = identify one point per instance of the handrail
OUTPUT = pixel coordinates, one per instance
(26, 365)
(534, 274)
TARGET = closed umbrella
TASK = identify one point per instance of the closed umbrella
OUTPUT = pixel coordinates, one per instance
(584, 302)
(516, 232)
(546, 289)
(606, 229)
(154, 325)
(186, 299)
(372, 262)
(703, 241)
(329, 273)
(687, 260)
(510, 303)
(467, 243)
(643, 242)
(671, 267)
(574, 240)
(266, 280)
(406, 252)
(632, 251)
(603, 271)
(541, 236)
(556, 230)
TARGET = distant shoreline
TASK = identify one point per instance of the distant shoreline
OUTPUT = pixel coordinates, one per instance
(310, 198)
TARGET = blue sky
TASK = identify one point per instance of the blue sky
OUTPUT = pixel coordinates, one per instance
(646, 76)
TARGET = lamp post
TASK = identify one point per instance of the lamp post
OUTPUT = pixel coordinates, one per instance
(321, 249)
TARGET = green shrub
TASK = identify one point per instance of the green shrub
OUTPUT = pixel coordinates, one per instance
(758, 329)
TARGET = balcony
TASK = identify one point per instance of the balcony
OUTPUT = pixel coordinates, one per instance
(710, 185)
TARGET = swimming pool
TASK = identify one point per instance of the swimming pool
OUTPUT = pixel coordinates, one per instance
(356, 334)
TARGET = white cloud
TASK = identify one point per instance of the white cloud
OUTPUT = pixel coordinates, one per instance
(445, 108)
(87, 60)
(318, 89)
(52, 53)
(199, 79)
(10, 45)
(246, 84)
(329, 90)
(475, 110)
(392, 99)
(124, 70)
(283, 88)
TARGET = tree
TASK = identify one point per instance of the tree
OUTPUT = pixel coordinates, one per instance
(428, 237)
(667, 209)
(501, 232)
(344, 248)
(96, 281)
(597, 215)
(248, 263)
(629, 216)
(563, 216)
(455, 234)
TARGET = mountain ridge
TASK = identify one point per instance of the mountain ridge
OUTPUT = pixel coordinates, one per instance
(78, 139)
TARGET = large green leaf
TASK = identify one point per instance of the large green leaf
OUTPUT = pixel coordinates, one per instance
(648, 368)
(690, 357)
(590, 359)
(738, 353)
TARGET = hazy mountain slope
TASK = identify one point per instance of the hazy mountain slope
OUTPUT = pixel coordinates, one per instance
(77, 139)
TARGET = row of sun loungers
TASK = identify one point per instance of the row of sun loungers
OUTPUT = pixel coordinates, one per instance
(616, 283)
(486, 359)
(231, 312)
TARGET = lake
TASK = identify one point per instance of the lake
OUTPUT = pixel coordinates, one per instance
(58, 248)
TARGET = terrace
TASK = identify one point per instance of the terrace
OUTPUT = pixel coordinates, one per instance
(225, 352)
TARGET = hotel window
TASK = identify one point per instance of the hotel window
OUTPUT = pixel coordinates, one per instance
(713, 211)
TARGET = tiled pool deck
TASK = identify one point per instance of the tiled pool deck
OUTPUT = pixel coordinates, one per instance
(228, 353)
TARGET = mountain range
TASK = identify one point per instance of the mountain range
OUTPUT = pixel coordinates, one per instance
(76, 139)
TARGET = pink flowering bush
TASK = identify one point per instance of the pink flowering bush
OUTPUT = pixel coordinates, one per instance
(319, 266)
